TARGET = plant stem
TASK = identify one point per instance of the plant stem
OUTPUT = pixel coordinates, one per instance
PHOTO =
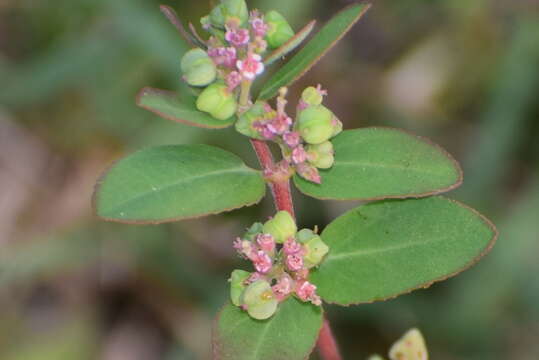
(282, 198)
(327, 346)
(280, 190)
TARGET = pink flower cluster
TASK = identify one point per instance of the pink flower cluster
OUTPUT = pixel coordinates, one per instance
(239, 54)
(278, 128)
(284, 267)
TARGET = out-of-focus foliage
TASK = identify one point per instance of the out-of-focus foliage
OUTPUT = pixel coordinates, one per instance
(465, 73)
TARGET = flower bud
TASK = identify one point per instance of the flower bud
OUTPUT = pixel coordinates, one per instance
(314, 124)
(315, 250)
(279, 31)
(198, 68)
(321, 155)
(229, 10)
(312, 96)
(245, 123)
(305, 235)
(217, 101)
(237, 285)
(281, 226)
(259, 300)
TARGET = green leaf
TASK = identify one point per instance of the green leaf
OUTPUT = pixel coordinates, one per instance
(379, 163)
(290, 45)
(289, 334)
(168, 105)
(175, 182)
(384, 249)
(307, 57)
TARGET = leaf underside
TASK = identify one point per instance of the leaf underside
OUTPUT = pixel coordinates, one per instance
(172, 107)
(168, 183)
(319, 45)
(378, 163)
(387, 248)
(290, 334)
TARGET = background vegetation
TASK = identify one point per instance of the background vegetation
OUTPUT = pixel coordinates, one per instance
(464, 73)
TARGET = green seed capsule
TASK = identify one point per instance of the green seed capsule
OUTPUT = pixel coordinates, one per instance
(305, 235)
(253, 231)
(314, 124)
(198, 68)
(237, 285)
(315, 250)
(217, 101)
(244, 125)
(281, 226)
(279, 31)
(312, 96)
(321, 155)
(259, 300)
(229, 10)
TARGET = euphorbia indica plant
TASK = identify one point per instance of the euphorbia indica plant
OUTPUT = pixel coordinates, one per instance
(404, 237)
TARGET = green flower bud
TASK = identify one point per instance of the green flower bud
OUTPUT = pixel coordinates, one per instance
(314, 124)
(217, 101)
(244, 125)
(281, 226)
(305, 235)
(315, 250)
(237, 285)
(198, 68)
(259, 300)
(279, 31)
(312, 96)
(321, 155)
(253, 231)
(229, 10)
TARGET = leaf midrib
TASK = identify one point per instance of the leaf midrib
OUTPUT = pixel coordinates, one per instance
(363, 252)
(181, 181)
(386, 166)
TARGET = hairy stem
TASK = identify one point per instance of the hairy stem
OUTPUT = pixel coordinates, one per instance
(327, 346)
(280, 190)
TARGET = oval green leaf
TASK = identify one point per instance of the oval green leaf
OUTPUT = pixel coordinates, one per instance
(379, 163)
(170, 106)
(320, 44)
(290, 45)
(289, 334)
(384, 249)
(169, 183)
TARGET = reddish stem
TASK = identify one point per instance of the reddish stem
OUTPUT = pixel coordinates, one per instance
(327, 346)
(280, 190)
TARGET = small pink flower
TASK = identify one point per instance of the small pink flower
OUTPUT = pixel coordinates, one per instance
(233, 80)
(291, 246)
(266, 242)
(243, 247)
(280, 124)
(302, 105)
(262, 262)
(251, 66)
(309, 172)
(299, 155)
(283, 287)
(307, 292)
(260, 28)
(236, 36)
(259, 45)
(264, 130)
(291, 138)
(223, 56)
(321, 91)
(294, 262)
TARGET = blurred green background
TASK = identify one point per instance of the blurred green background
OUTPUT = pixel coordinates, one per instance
(464, 73)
